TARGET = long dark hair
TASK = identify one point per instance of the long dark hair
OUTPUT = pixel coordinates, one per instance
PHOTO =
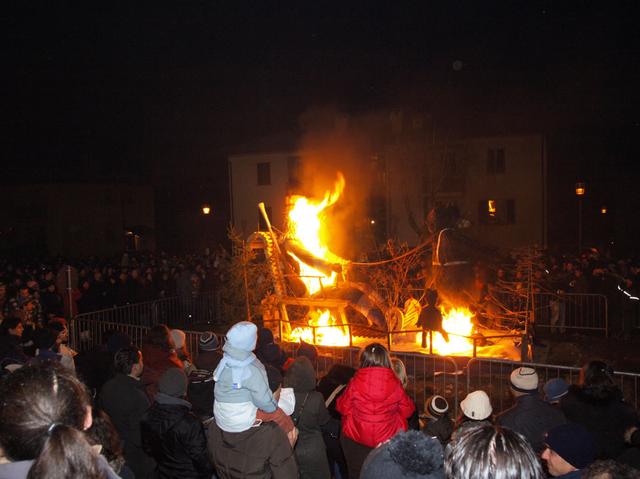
(375, 355)
(159, 336)
(43, 413)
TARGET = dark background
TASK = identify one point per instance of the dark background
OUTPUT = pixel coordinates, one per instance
(161, 92)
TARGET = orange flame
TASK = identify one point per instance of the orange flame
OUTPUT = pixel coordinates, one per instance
(456, 322)
(304, 225)
(327, 333)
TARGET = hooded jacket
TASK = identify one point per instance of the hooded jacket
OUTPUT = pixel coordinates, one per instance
(175, 438)
(241, 389)
(309, 415)
(261, 452)
(374, 406)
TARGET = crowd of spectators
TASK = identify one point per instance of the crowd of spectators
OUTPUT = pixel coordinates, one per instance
(239, 407)
(40, 290)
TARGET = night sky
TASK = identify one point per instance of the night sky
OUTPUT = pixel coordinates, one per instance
(161, 92)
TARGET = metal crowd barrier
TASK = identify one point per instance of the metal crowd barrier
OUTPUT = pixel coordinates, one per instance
(586, 312)
(178, 311)
(492, 376)
(86, 334)
(427, 374)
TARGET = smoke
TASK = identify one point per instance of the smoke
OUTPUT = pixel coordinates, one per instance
(334, 143)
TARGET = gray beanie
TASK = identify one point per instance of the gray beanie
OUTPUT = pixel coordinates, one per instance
(173, 383)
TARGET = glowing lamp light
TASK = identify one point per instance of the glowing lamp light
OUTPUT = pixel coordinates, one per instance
(603, 210)
(581, 189)
(373, 222)
(492, 207)
(206, 209)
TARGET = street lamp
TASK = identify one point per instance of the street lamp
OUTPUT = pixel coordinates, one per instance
(603, 210)
(581, 189)
(206, 209)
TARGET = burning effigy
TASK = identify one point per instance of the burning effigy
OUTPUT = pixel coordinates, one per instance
(316, 300)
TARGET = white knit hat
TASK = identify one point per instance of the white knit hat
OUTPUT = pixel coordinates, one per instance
(476, 405)
(178, 337)
(243, 336)
(524, 380)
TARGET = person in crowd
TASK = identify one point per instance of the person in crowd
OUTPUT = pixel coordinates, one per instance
(11, 351)
(260, 452)
(436, 420)
(309, 415)
(201, 383)
(59, 326)
(269, 352)
(597, 404)
(609, 469)
(51, 301)
(46, 344)
(554, 390)
(406, 455)
(530, 415)
(159, 355)
(95, 366)
(209, 355)
(104, 435)
(180, 347)
(123, 398)
(25, 306)
(280, 417)
(332, 386)
(44, 415)
(490, 451)
(430, 318)
(400, 371)
(374, 407)
(475, 410)
(172, 435)
(242, 386)
(568, 448)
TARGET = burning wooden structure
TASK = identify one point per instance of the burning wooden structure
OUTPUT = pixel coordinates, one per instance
(315, 300)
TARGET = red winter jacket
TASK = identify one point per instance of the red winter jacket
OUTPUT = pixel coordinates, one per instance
(374, 406)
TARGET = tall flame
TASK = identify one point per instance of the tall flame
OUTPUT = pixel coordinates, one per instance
(456, 322)
(304, 225)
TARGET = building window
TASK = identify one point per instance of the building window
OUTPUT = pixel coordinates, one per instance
(262, 224)
(497, 211)
(453, 173)
(264, 174)
(495, 161)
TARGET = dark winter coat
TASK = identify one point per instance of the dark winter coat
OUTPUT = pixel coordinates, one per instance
(175, 438)
(124, 400)
(309, 415)
(605, 415)
(258, 453)
(531, 417)
(440, 428)
(11, 350)
(374, 406)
